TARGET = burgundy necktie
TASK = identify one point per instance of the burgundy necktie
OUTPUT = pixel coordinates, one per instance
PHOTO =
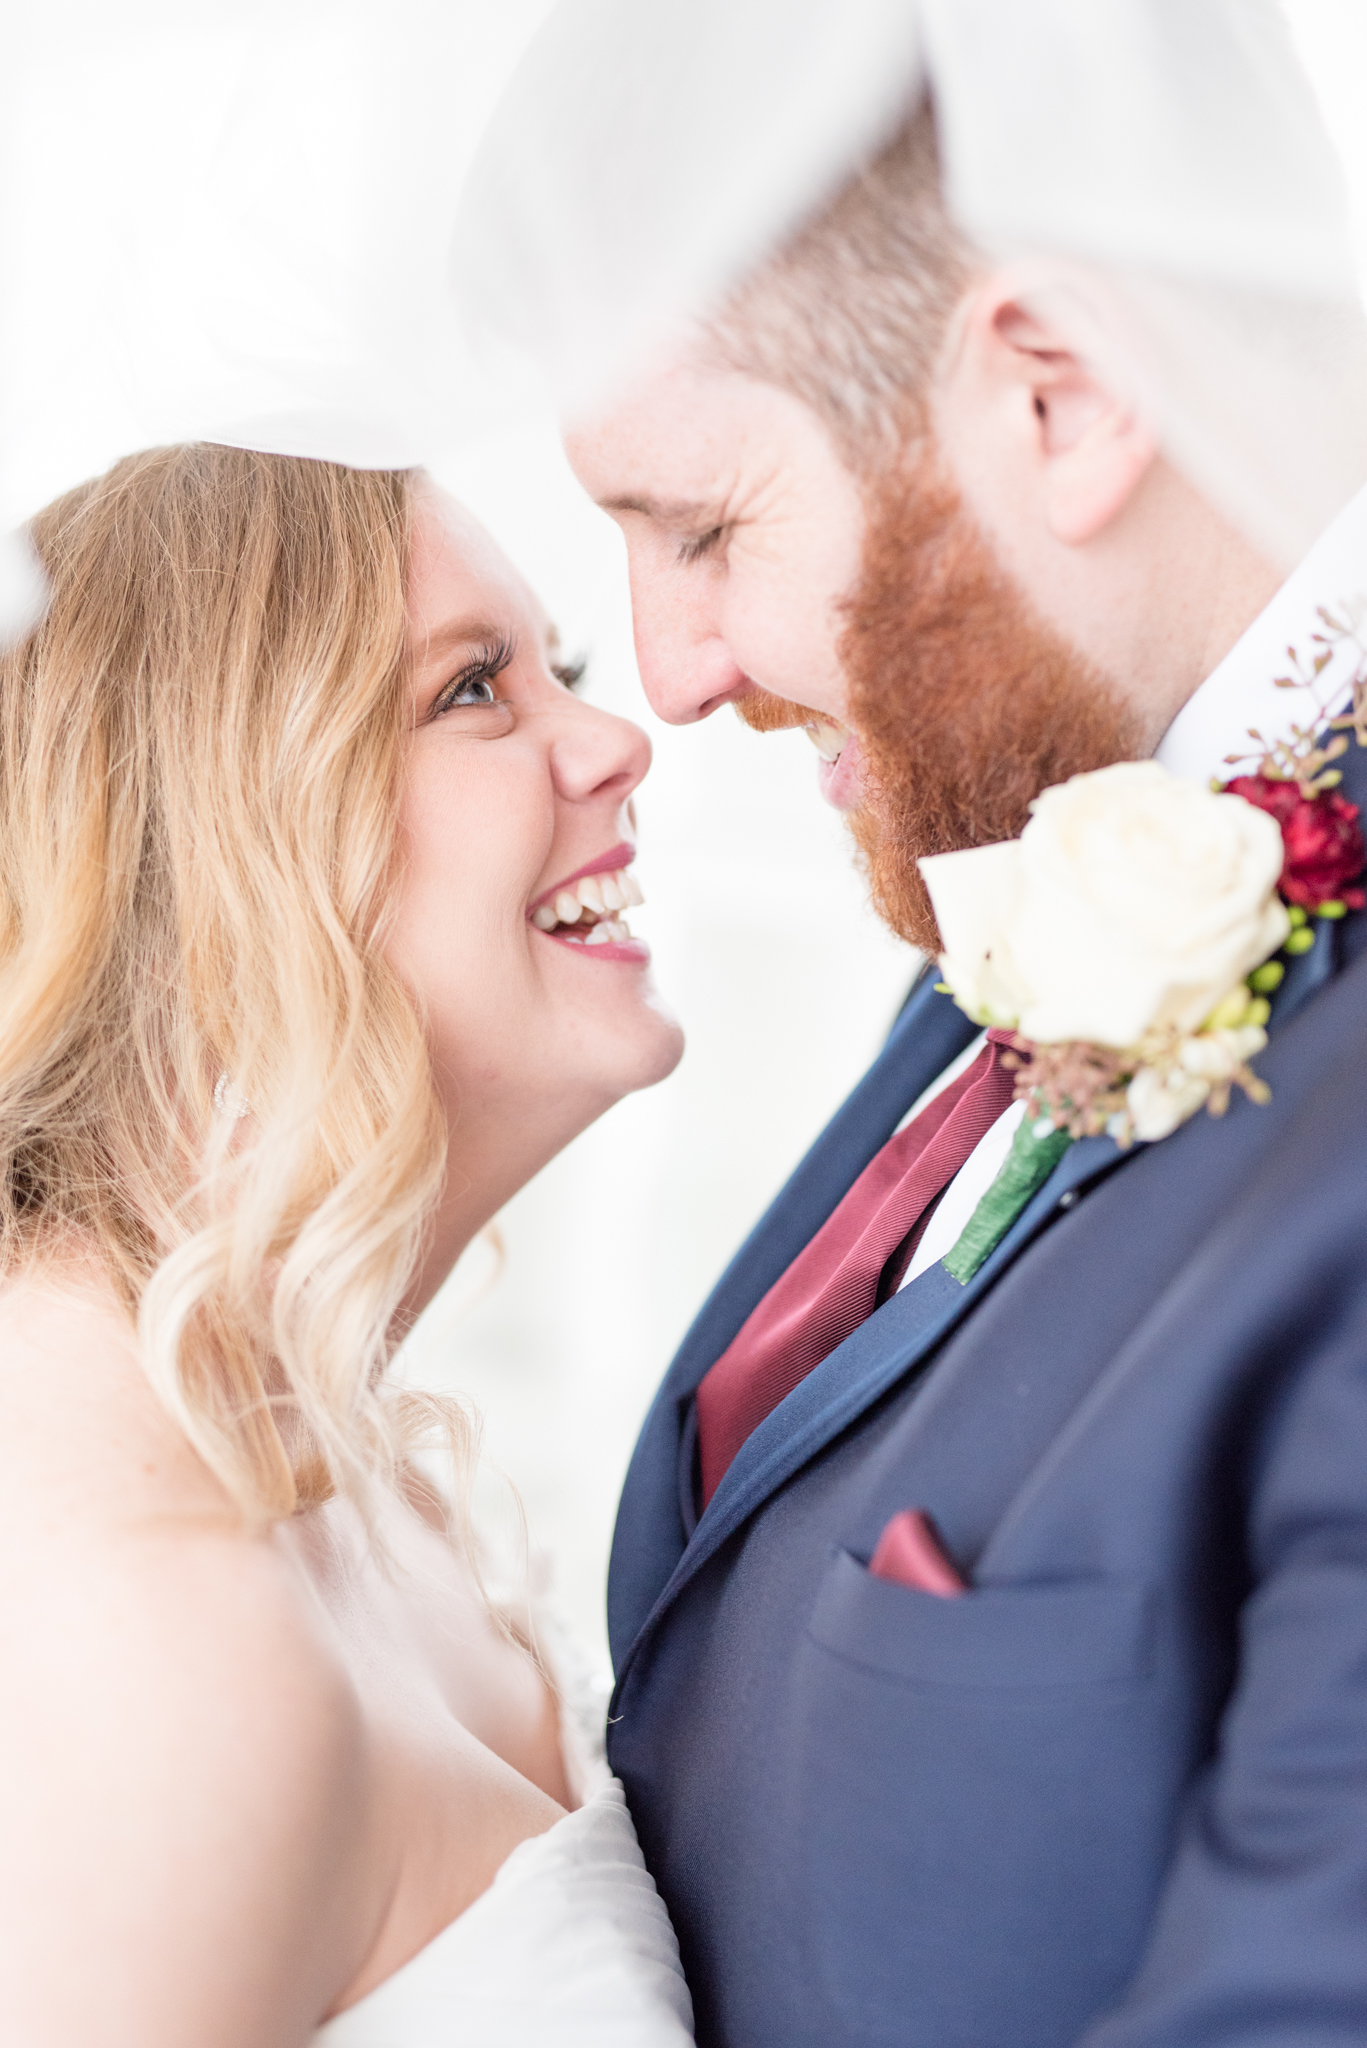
(832, 1286)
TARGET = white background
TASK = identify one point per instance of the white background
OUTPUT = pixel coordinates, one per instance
(213, 213)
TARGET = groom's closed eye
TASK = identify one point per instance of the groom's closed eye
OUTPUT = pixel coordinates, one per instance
(700, 545)
(697, 524)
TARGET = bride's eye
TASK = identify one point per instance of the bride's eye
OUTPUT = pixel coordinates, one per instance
(473, 687)
(477, 690)
(570, 674)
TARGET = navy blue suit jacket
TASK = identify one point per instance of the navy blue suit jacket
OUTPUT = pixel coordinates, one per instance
(1117, 1793)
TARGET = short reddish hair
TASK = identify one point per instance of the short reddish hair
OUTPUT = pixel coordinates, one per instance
(850, 314)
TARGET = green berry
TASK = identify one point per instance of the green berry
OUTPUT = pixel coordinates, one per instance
(1300, 941)
(1333, 908)
(1259, 1010)
(1230, 1014)
(1295, 913)
(1267, 977)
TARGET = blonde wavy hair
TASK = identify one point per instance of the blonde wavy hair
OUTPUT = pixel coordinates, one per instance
(201, 762)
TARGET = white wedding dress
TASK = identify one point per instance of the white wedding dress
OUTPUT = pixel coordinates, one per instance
(570, 1947)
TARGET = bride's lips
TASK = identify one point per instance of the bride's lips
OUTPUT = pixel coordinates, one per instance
(839, 774)
(582, 912)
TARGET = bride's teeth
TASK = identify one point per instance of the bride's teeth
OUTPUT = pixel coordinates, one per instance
(593, 905)
(827, 737)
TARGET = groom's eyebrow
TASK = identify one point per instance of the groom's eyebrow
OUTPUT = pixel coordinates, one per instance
(668, 511)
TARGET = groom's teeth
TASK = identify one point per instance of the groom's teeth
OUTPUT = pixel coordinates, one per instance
(591, 905)
(827, 737)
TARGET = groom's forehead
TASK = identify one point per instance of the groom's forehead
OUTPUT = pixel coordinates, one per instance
(675, 446)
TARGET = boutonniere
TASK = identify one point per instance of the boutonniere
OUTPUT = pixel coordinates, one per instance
(1128, 939)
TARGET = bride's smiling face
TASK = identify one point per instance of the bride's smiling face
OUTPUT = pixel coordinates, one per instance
(516, 794)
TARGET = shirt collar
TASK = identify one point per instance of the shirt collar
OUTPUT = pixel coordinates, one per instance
(1241, 692)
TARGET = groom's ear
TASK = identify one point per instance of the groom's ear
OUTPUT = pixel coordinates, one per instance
(1077, 449)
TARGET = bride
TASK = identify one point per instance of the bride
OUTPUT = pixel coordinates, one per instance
(312, 872)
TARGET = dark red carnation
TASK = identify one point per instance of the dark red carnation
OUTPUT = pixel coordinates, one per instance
(1322, 838)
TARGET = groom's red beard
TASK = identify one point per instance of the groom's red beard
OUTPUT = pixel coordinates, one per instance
(966, 703)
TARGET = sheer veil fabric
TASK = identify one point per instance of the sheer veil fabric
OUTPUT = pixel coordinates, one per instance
(1157, 171)
(232, 222)
(332, 228)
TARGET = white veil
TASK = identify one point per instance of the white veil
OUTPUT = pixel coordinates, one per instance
(1156, 169)
(231, 221)
(259, 220)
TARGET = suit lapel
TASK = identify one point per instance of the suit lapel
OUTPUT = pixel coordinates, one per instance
(882, 1351)
(650, 1535)
(930, 1032)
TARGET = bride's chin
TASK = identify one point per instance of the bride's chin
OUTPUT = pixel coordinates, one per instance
(658, 1046)
(672, 1044)
(646, 1046)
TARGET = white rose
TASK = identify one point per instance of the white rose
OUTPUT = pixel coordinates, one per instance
(1131, 899)
(977, 900)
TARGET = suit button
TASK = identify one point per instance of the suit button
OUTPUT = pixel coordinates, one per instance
(1066, 1201)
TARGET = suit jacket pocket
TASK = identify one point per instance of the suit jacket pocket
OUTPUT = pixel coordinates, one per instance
(986, 1778)
(1069, 1632)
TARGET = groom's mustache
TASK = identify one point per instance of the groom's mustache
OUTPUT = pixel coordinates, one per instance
(765, 713)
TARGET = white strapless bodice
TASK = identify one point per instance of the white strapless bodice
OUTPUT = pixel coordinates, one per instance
(570, 1947)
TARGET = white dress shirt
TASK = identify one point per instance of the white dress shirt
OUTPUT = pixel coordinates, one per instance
(1212, 724)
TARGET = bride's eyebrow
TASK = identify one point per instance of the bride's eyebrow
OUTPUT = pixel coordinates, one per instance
(448, 639)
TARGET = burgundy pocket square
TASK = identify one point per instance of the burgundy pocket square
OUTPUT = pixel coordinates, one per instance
(911, 1554)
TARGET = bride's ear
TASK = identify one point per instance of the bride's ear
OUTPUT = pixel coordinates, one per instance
(1079, 449)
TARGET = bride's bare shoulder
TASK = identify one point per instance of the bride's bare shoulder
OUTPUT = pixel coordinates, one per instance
(204, 1793)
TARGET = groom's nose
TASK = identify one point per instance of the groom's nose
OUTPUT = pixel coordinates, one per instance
(687, 669)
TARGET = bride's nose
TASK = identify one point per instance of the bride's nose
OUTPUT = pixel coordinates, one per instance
(595, 753)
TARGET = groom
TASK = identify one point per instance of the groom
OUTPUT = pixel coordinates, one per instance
(992, 1653)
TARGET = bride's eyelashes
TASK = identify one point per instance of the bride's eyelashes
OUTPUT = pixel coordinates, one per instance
(473, 686)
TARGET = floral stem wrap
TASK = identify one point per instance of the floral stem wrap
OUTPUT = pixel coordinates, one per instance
(1023, 1172)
